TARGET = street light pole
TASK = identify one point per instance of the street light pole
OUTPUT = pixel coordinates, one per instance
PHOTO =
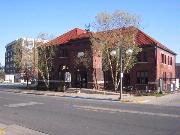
(113, 53)
(128, 52)
(121, 73)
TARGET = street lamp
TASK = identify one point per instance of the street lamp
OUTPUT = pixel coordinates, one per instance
(129, 51)
(113, 53)
(80, 54)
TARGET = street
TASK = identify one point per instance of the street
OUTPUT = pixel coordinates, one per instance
(69, 116)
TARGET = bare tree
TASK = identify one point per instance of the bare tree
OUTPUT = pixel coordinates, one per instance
(44, 56)
(115, 40)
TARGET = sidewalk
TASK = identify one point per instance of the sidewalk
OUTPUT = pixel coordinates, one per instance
(17, 130)
(104, 96)
(108, 97)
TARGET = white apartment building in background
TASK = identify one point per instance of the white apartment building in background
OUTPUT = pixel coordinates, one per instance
(28, 57)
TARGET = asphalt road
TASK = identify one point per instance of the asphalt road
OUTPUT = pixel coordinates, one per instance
(67, 116)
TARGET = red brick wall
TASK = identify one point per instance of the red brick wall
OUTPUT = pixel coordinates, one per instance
(153, 66)
(162, 67)
(149, 67)
(73, 48)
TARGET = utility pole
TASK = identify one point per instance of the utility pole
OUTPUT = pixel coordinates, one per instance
(121, 73)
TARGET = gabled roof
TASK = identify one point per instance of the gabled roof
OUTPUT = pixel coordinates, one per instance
(142, 38)
(73, 34)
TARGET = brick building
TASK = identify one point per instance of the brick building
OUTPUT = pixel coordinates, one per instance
(155, 62)
(178, 70)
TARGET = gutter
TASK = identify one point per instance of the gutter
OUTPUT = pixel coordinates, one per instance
(168, 50)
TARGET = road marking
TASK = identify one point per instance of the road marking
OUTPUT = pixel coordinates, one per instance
(111, 110)
(23, 104)
(143, 101)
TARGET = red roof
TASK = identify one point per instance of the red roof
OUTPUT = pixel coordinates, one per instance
(73, 34)
(142, 38)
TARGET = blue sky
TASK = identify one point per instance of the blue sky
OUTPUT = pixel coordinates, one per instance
(26, 18)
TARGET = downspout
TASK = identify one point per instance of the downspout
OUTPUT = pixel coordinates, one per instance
(156, 68)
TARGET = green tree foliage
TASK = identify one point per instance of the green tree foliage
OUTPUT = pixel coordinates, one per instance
(46, 53)
(116, 32)
(23, 59)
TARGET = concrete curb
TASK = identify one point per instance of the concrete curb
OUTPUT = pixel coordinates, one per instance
(93, 98)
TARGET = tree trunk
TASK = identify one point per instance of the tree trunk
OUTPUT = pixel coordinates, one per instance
(27, 81)
(48, 81)
(95, 75)
(44, 79)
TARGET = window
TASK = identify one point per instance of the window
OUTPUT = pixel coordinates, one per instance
(170, 60)
(162, 58)
(63, 53)
(142, 57)
(142, 77)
